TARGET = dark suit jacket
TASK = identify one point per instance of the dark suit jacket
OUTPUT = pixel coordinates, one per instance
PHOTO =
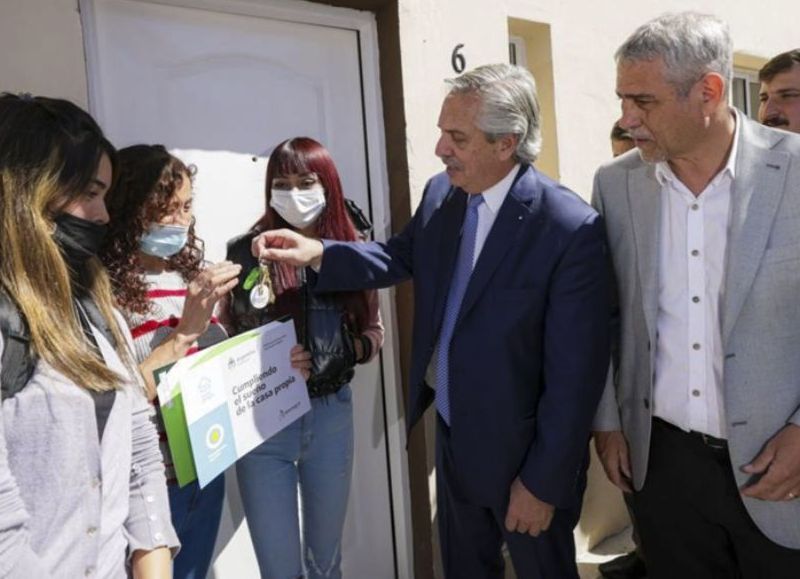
(530, 348)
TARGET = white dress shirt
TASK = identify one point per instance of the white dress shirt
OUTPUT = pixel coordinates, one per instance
(493, 199)
(688, 387)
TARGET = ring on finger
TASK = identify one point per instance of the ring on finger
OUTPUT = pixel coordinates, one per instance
(791, 496)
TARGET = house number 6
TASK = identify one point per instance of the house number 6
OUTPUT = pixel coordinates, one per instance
(457, 59)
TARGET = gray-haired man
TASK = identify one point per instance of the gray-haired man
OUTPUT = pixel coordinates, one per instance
(510, 329)
(702, 418)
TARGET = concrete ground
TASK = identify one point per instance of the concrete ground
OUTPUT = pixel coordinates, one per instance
(587, 566)
(610, 548)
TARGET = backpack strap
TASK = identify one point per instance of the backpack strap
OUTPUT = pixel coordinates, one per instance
(360, 220)
(18, 359)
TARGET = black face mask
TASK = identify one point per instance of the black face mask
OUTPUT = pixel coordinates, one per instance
(79, 239)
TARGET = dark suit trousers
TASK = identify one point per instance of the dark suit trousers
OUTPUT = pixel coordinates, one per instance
(692, 522)
(472, 536)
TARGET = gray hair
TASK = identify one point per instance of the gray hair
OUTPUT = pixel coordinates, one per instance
(691, 44)
(508, 105)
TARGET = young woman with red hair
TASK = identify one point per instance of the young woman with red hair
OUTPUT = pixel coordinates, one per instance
(303, 192)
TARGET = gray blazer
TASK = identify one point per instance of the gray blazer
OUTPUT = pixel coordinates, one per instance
(760, 308)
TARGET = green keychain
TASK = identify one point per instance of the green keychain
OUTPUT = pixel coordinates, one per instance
(251, 278)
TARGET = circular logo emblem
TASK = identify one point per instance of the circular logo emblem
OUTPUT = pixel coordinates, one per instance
(215, 436)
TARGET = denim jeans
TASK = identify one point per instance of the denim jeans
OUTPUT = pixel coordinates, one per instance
(195, 515)
(316, 453)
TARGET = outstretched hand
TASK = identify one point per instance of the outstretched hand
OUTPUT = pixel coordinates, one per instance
(287, 246)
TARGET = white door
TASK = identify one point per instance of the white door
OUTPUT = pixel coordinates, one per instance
(221, 83)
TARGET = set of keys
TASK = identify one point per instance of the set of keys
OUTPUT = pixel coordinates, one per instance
(259, 282)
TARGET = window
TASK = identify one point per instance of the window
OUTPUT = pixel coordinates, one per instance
(744, 92)
(516, 51)
(529, 46)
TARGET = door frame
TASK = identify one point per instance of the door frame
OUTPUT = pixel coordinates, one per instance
(363, 23)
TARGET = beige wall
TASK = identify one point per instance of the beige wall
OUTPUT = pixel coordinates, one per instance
(429, 30)
(584, 36)
(539, 60)
(42, 48)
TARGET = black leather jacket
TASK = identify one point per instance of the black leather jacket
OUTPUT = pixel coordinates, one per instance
(320, 320)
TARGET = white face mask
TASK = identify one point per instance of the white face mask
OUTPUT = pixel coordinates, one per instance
(299, 207)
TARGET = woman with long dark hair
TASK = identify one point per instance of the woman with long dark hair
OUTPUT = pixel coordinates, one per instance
(155, 261)
(82, 489)
(315, 453)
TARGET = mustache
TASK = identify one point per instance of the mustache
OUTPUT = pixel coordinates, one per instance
(452, 163)
(776, 122)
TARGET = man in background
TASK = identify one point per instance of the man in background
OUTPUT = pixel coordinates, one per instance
(621, 141)
(780, 92)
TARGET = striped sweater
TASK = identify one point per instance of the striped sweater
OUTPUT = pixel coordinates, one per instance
(166, 293)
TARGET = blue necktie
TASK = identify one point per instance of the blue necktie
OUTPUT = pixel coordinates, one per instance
(458, 286)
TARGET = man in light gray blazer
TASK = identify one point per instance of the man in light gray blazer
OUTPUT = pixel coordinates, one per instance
(701, 414)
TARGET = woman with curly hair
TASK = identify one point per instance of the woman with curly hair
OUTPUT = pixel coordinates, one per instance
(155, 261)
(315, 453)
(82, 490)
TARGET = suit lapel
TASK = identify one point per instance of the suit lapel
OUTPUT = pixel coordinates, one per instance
(520, 205)
(644, 198)
(452, 210)
(757, 192)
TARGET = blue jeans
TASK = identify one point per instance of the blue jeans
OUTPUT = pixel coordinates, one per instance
(195, 515)
(316, 453)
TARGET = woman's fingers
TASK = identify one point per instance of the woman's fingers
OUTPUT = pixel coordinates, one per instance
(215, 281)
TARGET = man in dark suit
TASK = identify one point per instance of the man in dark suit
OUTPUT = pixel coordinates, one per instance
(510, 328)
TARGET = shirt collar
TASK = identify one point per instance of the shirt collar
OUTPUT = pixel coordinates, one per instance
(664, 172)
(494, 196)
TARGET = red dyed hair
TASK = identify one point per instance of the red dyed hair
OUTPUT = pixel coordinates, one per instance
(305, 155)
